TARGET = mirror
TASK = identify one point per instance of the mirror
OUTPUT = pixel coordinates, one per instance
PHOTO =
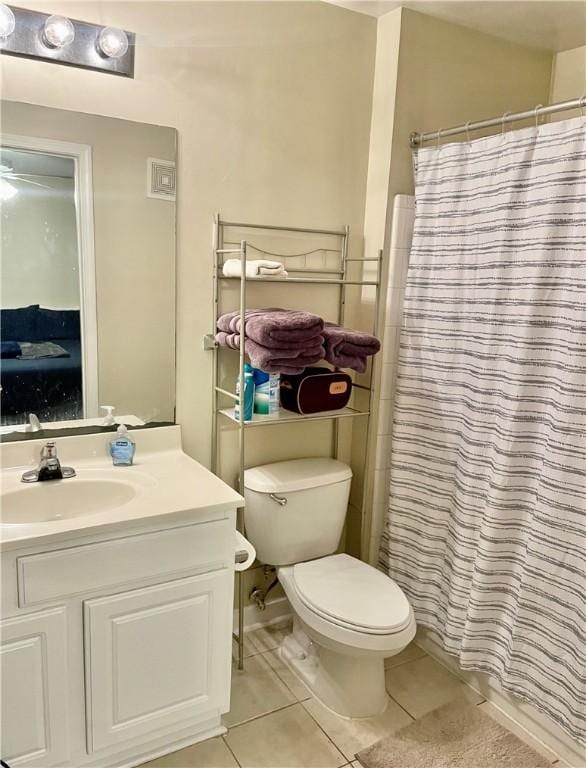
(87, 301)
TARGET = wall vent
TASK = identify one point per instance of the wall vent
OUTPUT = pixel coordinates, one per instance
(161, 179)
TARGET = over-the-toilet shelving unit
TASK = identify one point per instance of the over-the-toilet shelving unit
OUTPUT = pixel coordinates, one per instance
(327, 265)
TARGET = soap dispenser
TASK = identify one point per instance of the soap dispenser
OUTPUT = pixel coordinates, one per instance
(122, 448)
(109, 419)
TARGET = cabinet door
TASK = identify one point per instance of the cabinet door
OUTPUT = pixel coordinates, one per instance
(33, 664)
(156, 657)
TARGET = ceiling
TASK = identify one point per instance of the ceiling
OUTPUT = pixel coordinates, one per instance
(551, 24)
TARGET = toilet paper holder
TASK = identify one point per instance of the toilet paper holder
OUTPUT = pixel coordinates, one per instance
(244, 553)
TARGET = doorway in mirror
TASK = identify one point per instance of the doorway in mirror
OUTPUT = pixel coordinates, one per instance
(47, 299)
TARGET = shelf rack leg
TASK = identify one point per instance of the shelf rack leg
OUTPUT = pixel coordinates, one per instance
(241, 446)
(218, 247)
(215, 363)
(341, 313)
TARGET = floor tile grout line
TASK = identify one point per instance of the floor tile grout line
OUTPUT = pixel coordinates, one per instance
(322, 729)
(256, 653)
(264, 714)
(229, 748)
(272, 673)
(291, 691)
(277, 675)
(281, 709)
(392, 698)
(287, 686)
(302, 702)
(402, 663)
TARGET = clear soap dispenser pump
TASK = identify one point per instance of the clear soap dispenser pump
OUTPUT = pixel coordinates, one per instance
(109, 419)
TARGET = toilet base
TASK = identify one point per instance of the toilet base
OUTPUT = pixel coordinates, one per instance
(350, 686)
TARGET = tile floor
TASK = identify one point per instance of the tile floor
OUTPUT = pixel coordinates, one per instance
(274, 722)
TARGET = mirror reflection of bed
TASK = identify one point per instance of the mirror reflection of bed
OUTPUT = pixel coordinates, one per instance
(41, 364)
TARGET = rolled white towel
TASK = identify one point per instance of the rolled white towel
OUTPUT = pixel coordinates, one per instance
(254, 268)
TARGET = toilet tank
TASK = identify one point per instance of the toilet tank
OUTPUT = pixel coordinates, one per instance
(295, 510)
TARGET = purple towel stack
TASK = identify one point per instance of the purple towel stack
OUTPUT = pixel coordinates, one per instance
(346, 348)
(277, 340)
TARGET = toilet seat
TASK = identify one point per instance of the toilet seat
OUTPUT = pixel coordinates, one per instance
(353, 595)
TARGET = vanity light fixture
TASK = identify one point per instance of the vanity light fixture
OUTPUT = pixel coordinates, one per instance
(7, 21)
(58, 32)
(54, 38)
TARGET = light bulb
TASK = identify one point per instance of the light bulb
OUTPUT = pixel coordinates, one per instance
(113, 42)
(58, 32)
(7, 21)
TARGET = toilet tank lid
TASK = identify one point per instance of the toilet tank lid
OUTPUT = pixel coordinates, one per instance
(296, 475)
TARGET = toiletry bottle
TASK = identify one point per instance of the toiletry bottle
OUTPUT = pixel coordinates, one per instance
(109, 419)
(122, 448)
(266, 392)
(247, 395)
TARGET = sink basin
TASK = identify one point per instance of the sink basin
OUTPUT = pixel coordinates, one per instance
(63, 499)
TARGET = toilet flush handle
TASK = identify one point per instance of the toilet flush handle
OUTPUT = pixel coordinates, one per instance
(279, 499)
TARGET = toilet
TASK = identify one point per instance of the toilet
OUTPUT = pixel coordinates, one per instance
(348, 616)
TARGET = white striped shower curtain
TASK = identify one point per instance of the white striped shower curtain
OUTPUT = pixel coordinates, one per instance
(486, 524)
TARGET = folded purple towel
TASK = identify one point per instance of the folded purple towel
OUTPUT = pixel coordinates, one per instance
(275, 328)
(346, 348)
(274, 360)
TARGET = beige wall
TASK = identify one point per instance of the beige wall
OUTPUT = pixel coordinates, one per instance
(568, 79)
(38, 253)
(449, 74)
(272, 105)
(446, 74)
(134, 238)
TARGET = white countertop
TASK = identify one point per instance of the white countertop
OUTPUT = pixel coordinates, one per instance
(165, 479)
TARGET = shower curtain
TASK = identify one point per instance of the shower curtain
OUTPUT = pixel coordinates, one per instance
(486, 523)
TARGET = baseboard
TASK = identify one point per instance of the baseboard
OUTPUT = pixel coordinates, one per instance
(277, 610)
(522, 713)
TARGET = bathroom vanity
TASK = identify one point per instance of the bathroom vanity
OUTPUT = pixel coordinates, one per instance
(117, 596)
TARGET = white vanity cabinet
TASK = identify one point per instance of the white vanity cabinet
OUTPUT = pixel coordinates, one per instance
(151, 657)
(33, 670)
(117, 648)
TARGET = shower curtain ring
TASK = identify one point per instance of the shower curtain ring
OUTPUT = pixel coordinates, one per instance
(535, 112)
(467, 129)
(582, 105)
(439, 138)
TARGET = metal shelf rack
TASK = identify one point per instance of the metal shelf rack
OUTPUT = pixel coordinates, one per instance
(336, 274)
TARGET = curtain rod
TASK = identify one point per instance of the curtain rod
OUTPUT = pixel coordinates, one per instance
(417, 139)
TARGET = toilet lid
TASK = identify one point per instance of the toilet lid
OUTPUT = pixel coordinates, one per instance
(353, 594)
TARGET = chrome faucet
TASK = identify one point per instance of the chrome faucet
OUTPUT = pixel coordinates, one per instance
(49, 467)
